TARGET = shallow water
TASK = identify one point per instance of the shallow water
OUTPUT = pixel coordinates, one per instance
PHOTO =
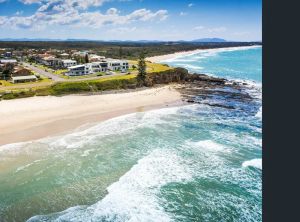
(191, 163)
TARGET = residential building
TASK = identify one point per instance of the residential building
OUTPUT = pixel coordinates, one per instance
(20, 71)
(64, 55)
(96, 58)
(65, 63)
(20, 79)
(5, 61)
(79, 70)
(117, 65)
(8, 54)
(94, 67)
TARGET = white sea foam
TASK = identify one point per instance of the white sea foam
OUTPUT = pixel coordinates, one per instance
(118, 125)
(135, 196)
(208, 145)
(259, 113)
(188, 66)
(12, 147)
(27, 165)
(253, 163)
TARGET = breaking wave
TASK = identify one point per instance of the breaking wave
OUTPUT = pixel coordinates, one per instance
(257, 163)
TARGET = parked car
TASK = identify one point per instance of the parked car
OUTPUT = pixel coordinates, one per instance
(110, 73)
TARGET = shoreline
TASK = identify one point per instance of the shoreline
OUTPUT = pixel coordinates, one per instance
(35, 118)
(162, 58)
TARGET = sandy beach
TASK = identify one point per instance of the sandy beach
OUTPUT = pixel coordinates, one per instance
(158, 59)
(38, 117)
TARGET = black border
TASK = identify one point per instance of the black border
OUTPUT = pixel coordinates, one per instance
(281, 100)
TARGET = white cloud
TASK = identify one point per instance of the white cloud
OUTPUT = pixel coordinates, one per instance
(209, 30)
(19, 12)
(147, 15)
(123, 30)
(197, 28)
(2, 20)
(28, 2)
(241, 33)
(182, 13)
(191, 5)
(57, 13)
(1, 1)
(112, 11)
(217, 29)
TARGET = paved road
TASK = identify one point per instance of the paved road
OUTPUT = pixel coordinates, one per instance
(44, 73)
(56, 78)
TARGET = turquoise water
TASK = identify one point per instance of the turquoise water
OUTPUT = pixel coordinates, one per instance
(190, 163)
(244, 63)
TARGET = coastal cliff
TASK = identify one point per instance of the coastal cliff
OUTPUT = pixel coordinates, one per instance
(190, 85)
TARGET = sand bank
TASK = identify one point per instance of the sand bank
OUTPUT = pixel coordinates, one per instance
(38, 117)
(162, 58)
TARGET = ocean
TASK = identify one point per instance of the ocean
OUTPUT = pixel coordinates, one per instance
(190, 163)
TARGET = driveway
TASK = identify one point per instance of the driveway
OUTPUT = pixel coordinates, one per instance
(43, 72)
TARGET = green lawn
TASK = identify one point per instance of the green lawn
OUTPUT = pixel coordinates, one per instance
(152, 67)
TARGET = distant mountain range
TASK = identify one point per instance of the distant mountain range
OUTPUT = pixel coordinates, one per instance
(86, 40)
(209, 40)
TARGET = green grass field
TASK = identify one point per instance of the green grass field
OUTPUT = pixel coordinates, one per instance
(47, 87)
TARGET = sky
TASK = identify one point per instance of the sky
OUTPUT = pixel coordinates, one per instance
(169, 20)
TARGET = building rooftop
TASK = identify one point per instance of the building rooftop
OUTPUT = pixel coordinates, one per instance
(23, 77)
(68, 60)
(77, 66)
(8, 61)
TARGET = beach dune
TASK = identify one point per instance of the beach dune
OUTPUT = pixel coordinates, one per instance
(38, 117)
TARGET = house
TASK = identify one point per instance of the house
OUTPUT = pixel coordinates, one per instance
(99, 66)
(96, 58)
(64, 55)
(80, 54)
(21, 74)
(51, 61)
(8, 54)
(5, 61)
(79, 70)
(117, 65)
(20, 79)
(65, 63)
(94, 67)
(20, 71)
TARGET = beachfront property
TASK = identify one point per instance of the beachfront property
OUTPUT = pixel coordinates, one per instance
(49, 60)
(79, 70)
(22, 79)
(118, 65)
(96, 58)
(19, 75)
(65, 63)
(102, 66)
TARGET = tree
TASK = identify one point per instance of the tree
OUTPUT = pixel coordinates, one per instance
(7, 71)
(142, 75)
(86, 58)
(120, 52)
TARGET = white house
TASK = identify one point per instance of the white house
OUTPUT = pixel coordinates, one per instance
(19, 79)
(79, 70)
(94, 67)
(96, 58)
(65, 63)
(5, 61)
(117, 65)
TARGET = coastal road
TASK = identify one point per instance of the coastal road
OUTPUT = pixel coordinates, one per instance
(40, 71)
(57, 78)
